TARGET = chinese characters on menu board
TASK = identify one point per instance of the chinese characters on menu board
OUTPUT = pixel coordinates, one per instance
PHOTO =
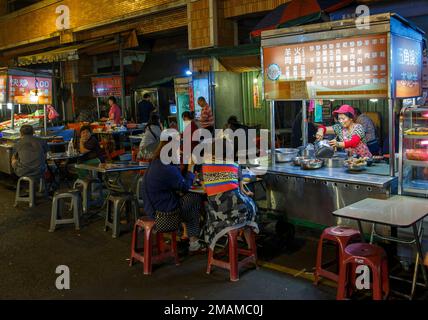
(351, 67)
(107, 86)
(30, 90)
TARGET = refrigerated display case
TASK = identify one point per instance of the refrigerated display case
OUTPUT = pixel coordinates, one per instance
(414, 151)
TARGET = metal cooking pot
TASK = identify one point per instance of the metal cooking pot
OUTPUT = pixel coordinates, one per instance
(285, 154)
(335, 162)
(323, 149)
(298, 160)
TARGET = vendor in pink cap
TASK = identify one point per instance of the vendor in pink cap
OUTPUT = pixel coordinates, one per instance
(349, 135)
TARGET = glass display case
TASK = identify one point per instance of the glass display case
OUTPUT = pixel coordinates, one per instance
(414, 151)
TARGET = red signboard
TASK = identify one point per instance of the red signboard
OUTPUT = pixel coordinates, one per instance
(340, 68)
(30, 90)
(107, 86)
(110, 86)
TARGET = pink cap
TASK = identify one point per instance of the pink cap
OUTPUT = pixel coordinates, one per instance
(345, 109)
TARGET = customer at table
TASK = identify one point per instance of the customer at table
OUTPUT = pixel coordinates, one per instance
(151, 137)
(165, 190)
(229, 203)
(29, 160)
(370, 130)
(349, 135)
(115, 113)
(89, 145)
(91, 150)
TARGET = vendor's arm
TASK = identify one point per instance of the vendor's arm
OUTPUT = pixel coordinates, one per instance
(353, 143)
(323, 130)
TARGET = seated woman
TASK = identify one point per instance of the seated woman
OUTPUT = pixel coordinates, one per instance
(151, 137)
(90, 148)
(161, 187)
(229, 204)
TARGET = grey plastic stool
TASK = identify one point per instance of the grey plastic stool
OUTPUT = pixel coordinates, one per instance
(57, 209)
(89, 186)
(115, 202)
(31, 198)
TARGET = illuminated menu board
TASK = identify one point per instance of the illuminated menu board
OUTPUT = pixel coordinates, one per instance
(342, 68)
(107, 86)
(407, 67)
(30, 90)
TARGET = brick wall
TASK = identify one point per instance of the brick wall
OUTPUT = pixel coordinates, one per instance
(225, 26)
(234, 8)
(200, 64)
(199, 24)
(3, 7)
(39, 21)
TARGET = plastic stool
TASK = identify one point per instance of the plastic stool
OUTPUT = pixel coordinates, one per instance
(146, 257)
(373, 257)
(114, 203)
(57, 209)
(88, 186)
(138, 191)
(233, 265)
(340, 235)
(31, 198)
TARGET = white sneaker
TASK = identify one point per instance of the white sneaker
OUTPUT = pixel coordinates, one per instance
(195, 246)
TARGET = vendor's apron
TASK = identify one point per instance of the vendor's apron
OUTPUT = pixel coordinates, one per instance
(361, 150)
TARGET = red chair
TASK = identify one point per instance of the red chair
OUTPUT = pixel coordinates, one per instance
(233, 265)
(146, 257)
(374, 257)
(342, 236)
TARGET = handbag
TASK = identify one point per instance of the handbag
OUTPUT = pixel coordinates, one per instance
(165, 221)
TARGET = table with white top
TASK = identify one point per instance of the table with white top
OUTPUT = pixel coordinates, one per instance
(395, 212)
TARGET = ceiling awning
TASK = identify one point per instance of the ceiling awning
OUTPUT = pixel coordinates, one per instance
(217, 52)
(160, 68)
(68, 53)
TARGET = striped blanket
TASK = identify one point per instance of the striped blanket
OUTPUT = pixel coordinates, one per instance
(219, 178)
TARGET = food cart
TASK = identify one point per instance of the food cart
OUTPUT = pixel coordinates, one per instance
(24, 96)
(337, 60)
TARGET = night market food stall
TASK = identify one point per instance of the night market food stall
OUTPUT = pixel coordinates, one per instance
(337, 60)
(24, 99)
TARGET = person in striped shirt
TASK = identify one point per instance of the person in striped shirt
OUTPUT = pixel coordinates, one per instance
(207, 118)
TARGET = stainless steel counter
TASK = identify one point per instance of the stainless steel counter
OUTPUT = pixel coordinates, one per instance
(371, 177)
(312, 195)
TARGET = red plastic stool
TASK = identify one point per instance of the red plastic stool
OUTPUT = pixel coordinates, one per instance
(146, 257)
(373, 257)
(342, 236)
(233, 265)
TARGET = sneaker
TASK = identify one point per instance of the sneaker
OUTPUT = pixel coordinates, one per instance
(196, 247)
